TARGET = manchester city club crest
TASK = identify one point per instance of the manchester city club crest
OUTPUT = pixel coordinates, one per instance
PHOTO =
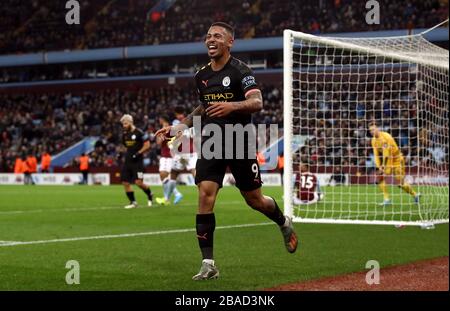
(226, 81)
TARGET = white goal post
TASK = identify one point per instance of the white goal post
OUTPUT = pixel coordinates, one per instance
(334, 89)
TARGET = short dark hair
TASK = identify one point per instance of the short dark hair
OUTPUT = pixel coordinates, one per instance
(228, 27)
(165, 117)
(179, 110)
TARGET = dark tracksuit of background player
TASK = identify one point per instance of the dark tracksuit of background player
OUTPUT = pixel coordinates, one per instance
(133, 166)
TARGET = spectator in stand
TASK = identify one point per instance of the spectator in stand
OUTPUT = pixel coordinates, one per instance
(334, 122)
(125, 23)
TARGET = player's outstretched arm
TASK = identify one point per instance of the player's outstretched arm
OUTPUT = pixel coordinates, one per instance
(163, 133)
(253, 103)
(159, 139)
(189, 120)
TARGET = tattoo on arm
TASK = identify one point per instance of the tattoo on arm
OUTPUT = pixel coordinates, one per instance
(200, 110)
(253, 103)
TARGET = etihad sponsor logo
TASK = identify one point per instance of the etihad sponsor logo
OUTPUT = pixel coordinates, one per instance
(218, 96)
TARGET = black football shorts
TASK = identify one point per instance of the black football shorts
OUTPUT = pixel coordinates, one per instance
(245, 171)
(131, 171)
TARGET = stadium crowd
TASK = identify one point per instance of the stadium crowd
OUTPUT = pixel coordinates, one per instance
(334, 117)
(335, 120)
(85, 71)
(32, 124)
(40, 25)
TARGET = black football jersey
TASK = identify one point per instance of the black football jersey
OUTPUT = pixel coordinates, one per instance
(230, 84)
(134, 141)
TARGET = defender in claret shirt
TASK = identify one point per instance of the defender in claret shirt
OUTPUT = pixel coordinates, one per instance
(306, 185)
(136, 143)
(165, 168)
(229, 94)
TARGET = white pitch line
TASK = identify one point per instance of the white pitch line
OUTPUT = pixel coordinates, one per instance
(7, 242)
(81, 209)
(119, 208)
(124, 235)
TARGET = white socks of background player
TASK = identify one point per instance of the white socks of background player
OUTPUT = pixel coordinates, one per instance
(176, 192)
(169, 187)
(191, 179)
(165, 184)
(171, 184)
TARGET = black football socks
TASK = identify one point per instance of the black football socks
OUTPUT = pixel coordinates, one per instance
(148, 192)
(206, 224)
(130, 196)
(276, 215)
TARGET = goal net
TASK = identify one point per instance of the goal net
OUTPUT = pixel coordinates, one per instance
(334, 89)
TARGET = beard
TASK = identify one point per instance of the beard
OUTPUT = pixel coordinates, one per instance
(217, 55)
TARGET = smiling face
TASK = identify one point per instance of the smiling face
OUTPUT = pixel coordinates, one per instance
(218, 42)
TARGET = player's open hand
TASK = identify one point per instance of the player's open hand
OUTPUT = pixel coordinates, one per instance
(219, 109)
(162, 134)
(167, 134)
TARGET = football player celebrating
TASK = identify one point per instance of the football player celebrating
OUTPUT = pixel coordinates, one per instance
(229, 95)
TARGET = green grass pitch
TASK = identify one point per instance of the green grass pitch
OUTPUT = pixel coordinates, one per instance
(362, 202)
(249, 257)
